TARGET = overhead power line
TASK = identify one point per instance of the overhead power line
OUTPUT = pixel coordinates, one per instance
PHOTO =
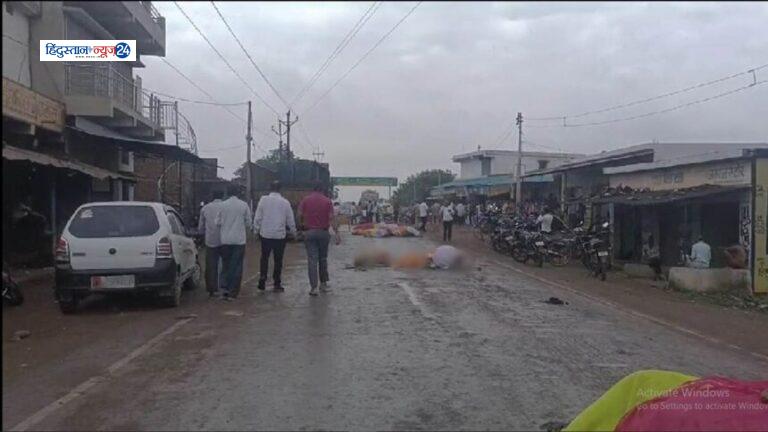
(197, 86)
(337, 51)
(354, 66)
(258, 69)
(674, 108)
(196, 101)
(653, 98)
(224, 59)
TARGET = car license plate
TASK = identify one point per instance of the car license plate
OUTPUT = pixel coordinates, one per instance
(539, 243)
(122, 281)
(602, 253)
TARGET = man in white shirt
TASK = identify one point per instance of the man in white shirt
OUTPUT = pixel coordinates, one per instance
(545, 221)
(423, 209)
(460, 213)
(701, 254)
(234, 220)
(446, 213)
(272, 216)
(207, 227)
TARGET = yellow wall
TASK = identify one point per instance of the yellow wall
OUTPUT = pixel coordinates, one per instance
(760, 212)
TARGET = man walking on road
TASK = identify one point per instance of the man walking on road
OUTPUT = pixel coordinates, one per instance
(234, 220)
(316, 217)
(207, 227)
(446, 212)
(272, 216)
(423, 209)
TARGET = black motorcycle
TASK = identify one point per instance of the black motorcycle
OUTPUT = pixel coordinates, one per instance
(529, 245)
(11, 291)
(596, 251)
(502, 237)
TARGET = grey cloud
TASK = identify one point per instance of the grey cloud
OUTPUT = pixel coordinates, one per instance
(453, 76)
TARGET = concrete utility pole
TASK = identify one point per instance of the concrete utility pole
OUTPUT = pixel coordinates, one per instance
(288, 123)
(518, 177)
(248, 139)
(279, 132)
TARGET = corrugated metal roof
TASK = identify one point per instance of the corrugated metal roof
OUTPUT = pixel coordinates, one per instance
(94, 129)
(712, 156)
(18, 154)
(659, 151)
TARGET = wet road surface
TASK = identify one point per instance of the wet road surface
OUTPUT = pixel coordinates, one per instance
(385, 350)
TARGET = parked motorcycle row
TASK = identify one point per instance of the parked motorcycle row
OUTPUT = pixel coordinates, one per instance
(520, 238)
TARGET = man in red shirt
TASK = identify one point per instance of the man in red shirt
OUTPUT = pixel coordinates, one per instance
(316, 218)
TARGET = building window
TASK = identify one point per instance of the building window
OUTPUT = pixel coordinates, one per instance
(125, 157)
(543, 163)
(485, 166)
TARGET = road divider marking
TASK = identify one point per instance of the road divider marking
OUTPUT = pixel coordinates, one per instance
(628, 311)
(90, 383)
(415, 300)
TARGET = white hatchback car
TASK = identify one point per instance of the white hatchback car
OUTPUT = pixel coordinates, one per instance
(123, 246)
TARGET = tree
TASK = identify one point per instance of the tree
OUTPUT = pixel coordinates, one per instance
(425, 181)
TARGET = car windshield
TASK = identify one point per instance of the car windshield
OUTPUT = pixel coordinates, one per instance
(114, 221)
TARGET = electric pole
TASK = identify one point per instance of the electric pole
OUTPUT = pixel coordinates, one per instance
(248, 139)
(519, 176)
(279, 132)
(318, 155)
(288, 123)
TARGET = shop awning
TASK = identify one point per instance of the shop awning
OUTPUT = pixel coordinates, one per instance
(98, 132)
(20, 154)
(643, 198)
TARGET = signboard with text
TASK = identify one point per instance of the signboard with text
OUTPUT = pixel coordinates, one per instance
(364, 181)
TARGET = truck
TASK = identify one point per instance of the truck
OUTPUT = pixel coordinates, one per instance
(367, 196)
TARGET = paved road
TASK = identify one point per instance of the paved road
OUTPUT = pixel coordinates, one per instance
(385, 350)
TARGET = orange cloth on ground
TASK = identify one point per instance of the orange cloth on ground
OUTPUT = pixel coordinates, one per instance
(411, 260)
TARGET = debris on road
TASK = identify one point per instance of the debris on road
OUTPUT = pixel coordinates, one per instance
(555, 301)
(234, 313)
(21, 334)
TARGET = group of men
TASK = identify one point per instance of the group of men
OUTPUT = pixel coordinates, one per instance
(225, 223)
(447, 213)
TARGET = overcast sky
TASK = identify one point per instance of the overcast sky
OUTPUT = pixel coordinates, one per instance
(454, 75)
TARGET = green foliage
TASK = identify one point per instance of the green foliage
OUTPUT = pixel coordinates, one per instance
(425, 180)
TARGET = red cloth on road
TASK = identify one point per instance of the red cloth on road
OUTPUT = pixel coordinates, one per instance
(316, 209)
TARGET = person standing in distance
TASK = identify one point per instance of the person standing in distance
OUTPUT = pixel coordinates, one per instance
(206, 226)
(234, 220)
(316, 218)
(423, 210)
(446, 212)
(273, 214)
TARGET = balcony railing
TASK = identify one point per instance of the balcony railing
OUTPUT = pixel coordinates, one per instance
(156, 17)
(105, 81)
